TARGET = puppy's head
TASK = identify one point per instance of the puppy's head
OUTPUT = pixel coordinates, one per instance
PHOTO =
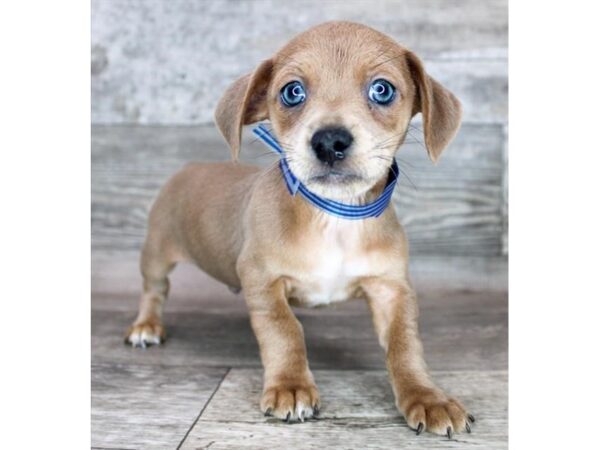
(340, 97)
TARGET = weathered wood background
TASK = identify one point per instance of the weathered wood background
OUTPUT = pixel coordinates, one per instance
(158, 68)
(167, 62)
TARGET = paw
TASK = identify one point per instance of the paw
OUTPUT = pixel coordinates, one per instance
(145, 334)
(291, 401)
(435, 412)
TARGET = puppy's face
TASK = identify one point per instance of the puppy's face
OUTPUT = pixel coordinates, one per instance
(340, 98)
(340, 105)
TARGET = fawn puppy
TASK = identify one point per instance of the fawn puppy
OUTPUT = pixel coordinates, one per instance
(339, 98)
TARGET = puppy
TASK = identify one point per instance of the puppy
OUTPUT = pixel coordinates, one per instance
(339, 97)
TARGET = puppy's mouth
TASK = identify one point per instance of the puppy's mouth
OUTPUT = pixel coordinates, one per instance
(334, 177)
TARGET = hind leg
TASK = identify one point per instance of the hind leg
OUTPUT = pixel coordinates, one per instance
(148, 329)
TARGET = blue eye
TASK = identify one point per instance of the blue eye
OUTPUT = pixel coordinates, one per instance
(293, 94)
(382, 92)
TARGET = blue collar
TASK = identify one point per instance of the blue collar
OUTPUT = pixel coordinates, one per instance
(353, 212)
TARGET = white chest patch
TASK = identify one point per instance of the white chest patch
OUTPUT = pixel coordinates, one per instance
(335, 263)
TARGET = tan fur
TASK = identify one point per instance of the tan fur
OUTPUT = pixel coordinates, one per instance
(240, 225)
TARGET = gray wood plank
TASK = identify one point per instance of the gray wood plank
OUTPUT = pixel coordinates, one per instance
(505, 194)
(480, 84)
(358, 412)
(148, 407)
(116, 280)
(461, 330)
(453, 208)
(168, 62)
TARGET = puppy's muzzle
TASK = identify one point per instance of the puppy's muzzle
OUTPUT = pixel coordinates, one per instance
(330, 144)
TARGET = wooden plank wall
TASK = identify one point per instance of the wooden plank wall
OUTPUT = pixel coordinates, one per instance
(167, 62)
(158, 69)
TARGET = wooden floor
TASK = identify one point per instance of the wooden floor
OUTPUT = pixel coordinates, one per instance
(202, 388)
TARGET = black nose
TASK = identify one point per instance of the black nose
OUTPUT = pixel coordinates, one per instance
(330, 144)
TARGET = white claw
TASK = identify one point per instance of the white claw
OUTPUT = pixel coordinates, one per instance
(142, 339)
(303, 412)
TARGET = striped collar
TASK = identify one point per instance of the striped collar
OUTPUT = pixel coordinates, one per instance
(352, 212)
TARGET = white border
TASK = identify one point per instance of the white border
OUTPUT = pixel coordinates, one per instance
(45, 233)
(554, 224)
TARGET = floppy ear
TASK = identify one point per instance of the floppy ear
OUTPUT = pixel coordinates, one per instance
(244, 102)
(441, 110)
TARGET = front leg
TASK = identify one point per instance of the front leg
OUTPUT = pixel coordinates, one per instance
(423, 404)
(289, 390)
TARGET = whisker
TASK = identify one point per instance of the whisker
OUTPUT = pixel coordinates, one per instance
(405, 162)
(261, 155)
(414, 127)
(391, 138)
(413, 185)
(418, 140)
(388, 60)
